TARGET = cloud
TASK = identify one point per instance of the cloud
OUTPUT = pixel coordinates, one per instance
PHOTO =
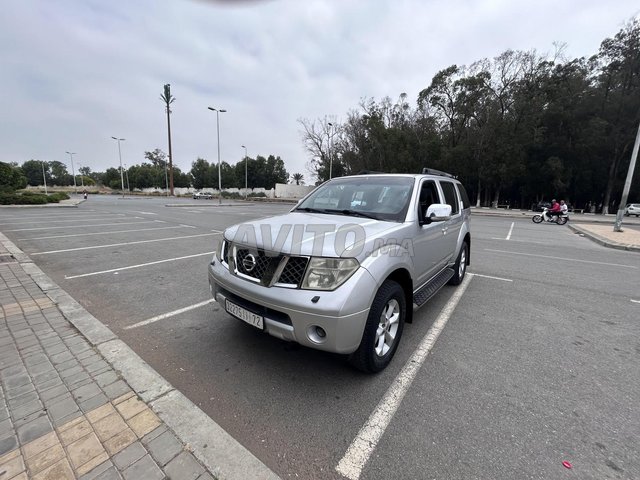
(76, 73)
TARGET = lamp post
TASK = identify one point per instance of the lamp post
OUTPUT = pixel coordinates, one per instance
(126, 172)
(330, 157)
(120, 156)
(218, 112)
(246, 159)
(44, 177)
(73, 172)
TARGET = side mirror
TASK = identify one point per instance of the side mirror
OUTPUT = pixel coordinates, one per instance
(437, 212)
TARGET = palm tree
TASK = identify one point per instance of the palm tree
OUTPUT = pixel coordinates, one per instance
(299, 178)
(168, 99)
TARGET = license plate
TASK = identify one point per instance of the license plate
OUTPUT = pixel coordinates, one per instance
(244, 315)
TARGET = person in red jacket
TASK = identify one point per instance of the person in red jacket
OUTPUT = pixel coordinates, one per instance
(555, 209)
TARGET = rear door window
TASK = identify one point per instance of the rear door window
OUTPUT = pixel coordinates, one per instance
(450, 196)
(464, 196)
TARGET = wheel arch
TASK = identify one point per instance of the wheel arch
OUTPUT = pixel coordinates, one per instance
(403, 278)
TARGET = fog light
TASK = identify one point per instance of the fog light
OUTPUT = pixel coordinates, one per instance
(316, 334)
(320, 332)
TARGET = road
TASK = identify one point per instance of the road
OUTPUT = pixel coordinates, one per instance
(539, 362)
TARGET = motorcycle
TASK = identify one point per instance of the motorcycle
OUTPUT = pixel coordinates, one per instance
(560, 219)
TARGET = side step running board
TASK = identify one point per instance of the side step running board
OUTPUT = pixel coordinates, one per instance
(431, 288)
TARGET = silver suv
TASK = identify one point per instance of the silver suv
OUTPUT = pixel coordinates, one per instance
(342, 271)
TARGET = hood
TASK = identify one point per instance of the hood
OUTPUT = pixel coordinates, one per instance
(311, 234)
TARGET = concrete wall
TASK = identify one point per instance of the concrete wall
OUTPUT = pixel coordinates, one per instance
(291, 190)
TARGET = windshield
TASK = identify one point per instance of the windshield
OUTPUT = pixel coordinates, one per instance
(378, 197)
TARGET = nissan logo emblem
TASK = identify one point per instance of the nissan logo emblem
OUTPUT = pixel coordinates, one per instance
(249, 263)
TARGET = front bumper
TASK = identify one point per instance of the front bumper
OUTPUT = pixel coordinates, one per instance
(292, 315)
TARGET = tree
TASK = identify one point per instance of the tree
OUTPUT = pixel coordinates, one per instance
(201, 174)
(168, 99)
(298, 178)
(11, 177)
(32, 170)
(157, 158)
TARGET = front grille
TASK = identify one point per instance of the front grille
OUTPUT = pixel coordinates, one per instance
(254, 264)
(294, 271)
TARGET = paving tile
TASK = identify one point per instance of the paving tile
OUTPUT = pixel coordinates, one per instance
(8, 443)
(62, 409)
(53, 392)
(131, 407)
(12, 464)
(123, 397)
(34, 429)
(39, 445)
(97, 471)
(154, 434)
(93, 402)
(74, 430)
(84, 450)
(106, 378)
(91, 464)
(21, 390)
(77, 379)
(21, 400)
(184, 467)
(45, 459)
(58, 471)
(99, 365)
(29, 418)
(25, 409)
(100, 412)
(143, 468)
(144, 422)
(86, 392)
(44, 367)
(109, 426)
(109, 474)
(129, 455)
(164, 448)
(67, 418)
(206, 476)
(120, 441)
(17, 380)
(62, 357)
(5, 428)
(116, 389)
(70, 372)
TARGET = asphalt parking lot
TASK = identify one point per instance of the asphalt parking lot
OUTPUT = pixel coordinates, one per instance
(539, 363)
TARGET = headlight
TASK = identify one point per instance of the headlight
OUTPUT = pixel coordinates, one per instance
(328, 273)
(220, 251)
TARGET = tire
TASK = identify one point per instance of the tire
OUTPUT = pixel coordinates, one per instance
(561, 220)
(460, 266)
(383, 329)
(537, 219)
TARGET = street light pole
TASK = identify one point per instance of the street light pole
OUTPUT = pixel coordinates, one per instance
(617, 227)
(330, 157)
(246, 159)
(120, 156)
(127, 174)
(218, 112)
(44, 177)
(73, 172)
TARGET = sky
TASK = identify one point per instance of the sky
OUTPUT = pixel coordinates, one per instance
(75, 73)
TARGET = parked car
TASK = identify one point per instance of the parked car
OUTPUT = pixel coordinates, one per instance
(343, 270)
(205, 195)
(632, 209)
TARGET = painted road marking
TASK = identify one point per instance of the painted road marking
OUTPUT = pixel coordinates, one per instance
(66, 221)
(492, 278)
(105, 233)
(169, 314)
(130, 267)
(85, 226)
(560, 258)
(123, 243)
(360, 450)
(635, 301)
(510, 231)
(145, 213)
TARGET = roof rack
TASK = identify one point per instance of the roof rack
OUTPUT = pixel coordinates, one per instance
(432, 171)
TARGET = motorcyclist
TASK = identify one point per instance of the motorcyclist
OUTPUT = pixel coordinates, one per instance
(555, 209)
(564, 208)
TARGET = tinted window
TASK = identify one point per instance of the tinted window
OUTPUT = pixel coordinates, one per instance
(428, 196)
(450, 196)
(464, 196)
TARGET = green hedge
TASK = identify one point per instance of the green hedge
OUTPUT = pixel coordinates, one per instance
(31, 198)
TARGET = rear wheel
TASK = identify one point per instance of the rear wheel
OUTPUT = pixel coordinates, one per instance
(537, 218)
(460, 268)
(561, 220)
(383, 329)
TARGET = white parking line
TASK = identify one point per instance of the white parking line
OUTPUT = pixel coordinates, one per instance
(67, 221)
(510, 231)
(105, 233)
(560, 258)
(123, 243)
(145, 213)
(85, 226)
(489, 276)
(360, 450)
(169, 314)
(635, 301)
(137, 266)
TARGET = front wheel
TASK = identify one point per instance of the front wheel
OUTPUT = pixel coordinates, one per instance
(561, 220)
(383, 329)
(537, 218)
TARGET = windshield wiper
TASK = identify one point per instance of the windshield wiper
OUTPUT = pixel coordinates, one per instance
(311, 210)
(354, 213)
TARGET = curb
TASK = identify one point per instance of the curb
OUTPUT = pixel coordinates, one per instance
(200, 205)
(604, 241)
(218, 451)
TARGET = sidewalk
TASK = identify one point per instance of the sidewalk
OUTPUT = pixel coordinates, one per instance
(628, 239)
(77, 403)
